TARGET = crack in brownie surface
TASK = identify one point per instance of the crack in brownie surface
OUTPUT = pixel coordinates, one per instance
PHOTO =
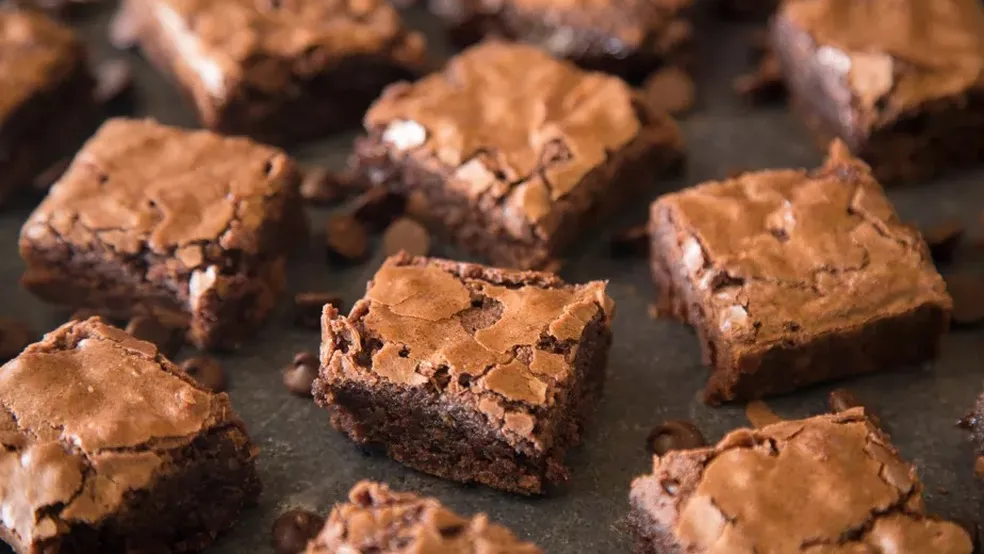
(825, 485)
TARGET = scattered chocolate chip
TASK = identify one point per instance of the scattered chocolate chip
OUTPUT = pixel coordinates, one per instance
(630, 243)
(841, 400)
(167, 339)
(207, 371)
(309, 305)
(967, 290)
(114, 85)
(320, 185)
(376, 208)
(15, 336)
(943, 239)
(407, 235)
(293, 529)
(764, 85)
(43, 181)
(123, 29)
(674, 435)
(301, 373)
(760, 415)
(669, 90)
(346, 239)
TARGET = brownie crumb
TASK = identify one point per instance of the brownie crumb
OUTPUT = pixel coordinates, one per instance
(669, 90)
(207, 371)
(376, 208)
(674, 435)
(300, 374)
(309, 305)
(841, 400)
(15, 336)
(167, 339)
(346, 239)
(943, 239)
(967, 290)
(293, 529)
(764, 85)
(760, 415)
(114, 86)
(630, 243)
(408, 236)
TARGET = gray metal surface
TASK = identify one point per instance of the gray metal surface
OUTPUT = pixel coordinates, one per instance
(654, 371)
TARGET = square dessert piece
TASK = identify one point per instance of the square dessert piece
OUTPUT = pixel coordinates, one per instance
(106, 446)
(827, 484)
(46, 104)
(793, 277)
(188, 226)
(467, 372)
(513, 153)
(629, 38)
(900, 81)
(376, 519)
(278, 71)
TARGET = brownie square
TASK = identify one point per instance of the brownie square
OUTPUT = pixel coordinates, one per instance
(46, 105)
(278, 71)
(629, 38)
(793, 277)
(832, 483)
(900, 81)
(106, 446)
(513, 153)
(467, 372)
(187, 226)
(377, 519)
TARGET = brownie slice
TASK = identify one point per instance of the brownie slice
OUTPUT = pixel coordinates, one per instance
(188, 226)
(630, 38)
(793, 277)
(46, 104)
(513, 153)
(467, 372)
(826, 484)
(900, 81)
(106, 446)
(378, 520)
(278, 71)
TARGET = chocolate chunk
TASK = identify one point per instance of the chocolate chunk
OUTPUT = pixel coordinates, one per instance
(943, 239)
(841, 400)
(293, 529)
(114, 85)
(300, 374)
(674, 435)
(407, 235)
(167, 339)
(760, 415)
(15, 336)
(321, 185)
(669, 90)
(207, 371)
(764, 85)
(43, 181)
(967, 290)
(630, 243)
(309, 305)
(346, 239)
(377, 208)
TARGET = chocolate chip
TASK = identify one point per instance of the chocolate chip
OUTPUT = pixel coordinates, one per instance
(841, 400)
(376, 208)
(114, 85)
(674, 435)
(967, 290)
(43, 181)
(293, 529)
(943, 239)
(309, 305)
(167, 339)
(320, 185)
(301, 373)
(764, 85)
(407, 235)
(15, 336)
(630, 243)
(346, 239)
(207, 371)
(669, 90)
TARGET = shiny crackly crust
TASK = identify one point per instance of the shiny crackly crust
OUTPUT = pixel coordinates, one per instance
(825, 485)
(91, 422)
(364, 524)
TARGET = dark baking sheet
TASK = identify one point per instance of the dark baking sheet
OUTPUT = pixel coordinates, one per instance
(654, 371)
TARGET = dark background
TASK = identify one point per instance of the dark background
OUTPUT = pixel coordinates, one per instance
(654, 371)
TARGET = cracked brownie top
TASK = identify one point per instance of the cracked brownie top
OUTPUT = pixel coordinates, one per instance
(831, 484)
(88, 416)
(376, 519)
(501, 342)
(774, 254)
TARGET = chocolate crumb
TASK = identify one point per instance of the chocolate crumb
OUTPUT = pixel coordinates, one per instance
(346, 239)
(674, 435)
(309, 305)
(669, 90)
(764, 85)
(376, 208)
(760, 415)
(406, 235)
(15, 336)
(841, 400)
(292, 531)
(167, 339)
(301, 373)
(630, 243)
(943, 239)
(207, 371)
(967, 290)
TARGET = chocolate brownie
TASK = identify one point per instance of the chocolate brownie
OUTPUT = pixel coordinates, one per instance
(900, 81)
(188, 226)
(828, 484)
(278, 71)
(106, 446)
(514, 153)
(467, 372)
(792, 277)
(629, 37)
(376, 519)
(46, 104)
